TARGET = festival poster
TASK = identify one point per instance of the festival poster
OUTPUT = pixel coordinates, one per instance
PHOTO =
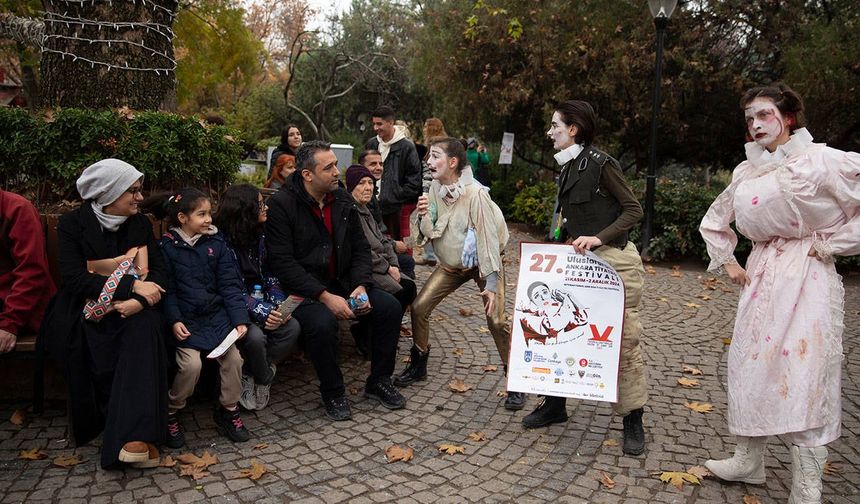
(506, 153)
(567, 323)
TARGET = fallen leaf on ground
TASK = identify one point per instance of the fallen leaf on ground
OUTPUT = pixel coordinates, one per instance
(353, 390)
(440, 317)
(256, 471)
(700, 472)
(729, 291)
(676, 271)
(458, 385)
(195, 472)
(483, 329)
(650, 270)
(605, 480)
(396, 452)
(405, 331)
(477, 436)
(704, 297)
(202, 462)
(727, 341)
(406, 360)
(33, 454)
(67, 460)
(167, 461)
(663, 299)
(677, 478)
(502, 393)
(457, 352)
(19, 416)
(751, 499)
(700, 407)
(261, 446)
(688, 382)
(693, 371)
(610, 443)
(831, 468)
(692, 305)
(710, 283)
(489, 368)
(451, 449)
(466, 312)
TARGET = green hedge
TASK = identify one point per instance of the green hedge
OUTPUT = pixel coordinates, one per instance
(43, 155)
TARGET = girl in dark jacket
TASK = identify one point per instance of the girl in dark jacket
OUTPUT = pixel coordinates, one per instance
(203, 305)
(272, 336)
(113, 356)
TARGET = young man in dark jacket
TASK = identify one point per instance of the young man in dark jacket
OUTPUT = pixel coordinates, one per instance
(317, 250)
(401, 175)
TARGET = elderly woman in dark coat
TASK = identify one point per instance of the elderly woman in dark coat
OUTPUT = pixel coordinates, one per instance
(106, 332)
(386, 268)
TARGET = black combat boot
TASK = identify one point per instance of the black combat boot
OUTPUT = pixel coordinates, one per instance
(551, 410)
(417, 368)
(634, 433)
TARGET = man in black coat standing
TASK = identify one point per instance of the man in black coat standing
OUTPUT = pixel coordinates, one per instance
(317, 249)
(400, 185)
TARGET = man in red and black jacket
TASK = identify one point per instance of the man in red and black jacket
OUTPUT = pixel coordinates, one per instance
(317, 250)
(26, 285)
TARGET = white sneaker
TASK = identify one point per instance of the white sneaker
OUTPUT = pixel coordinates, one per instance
(747, 464)
(807, 465)
(247, 399)
(261, 392)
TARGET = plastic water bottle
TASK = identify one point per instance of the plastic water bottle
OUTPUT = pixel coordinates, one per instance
(356, 301)
(258, 293)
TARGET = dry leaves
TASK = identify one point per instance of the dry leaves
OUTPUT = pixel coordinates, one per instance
(18, 417)
(609, 443)
(677, 478)
(67, 460)
(751, 499)
(195, 466)
(451, 449)
(700, 472)
(33, 454)
(710, 283)
(605, 480)
(466, 312)
(483, 329)
(255, 472)
(663, 299)
(693, 371)
(125, 112)
(832, 468)
(650, 270)
(489, 368)
(688, 383)
(261, 446)
(395, 452)
(676, 271)
(49, 115)
(353, 390)
(406, 360)
(460, 386)
(195, 472)
(457, 352)
(727, 341)
(502, 393)
(704, 297)
(700, 407)
(692, 305)
(478, 436)
(167, 461)
(405, 332)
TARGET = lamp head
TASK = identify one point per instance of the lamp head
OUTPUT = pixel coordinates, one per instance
(662, 8)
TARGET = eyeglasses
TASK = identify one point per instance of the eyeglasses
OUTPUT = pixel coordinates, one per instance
(134, 191)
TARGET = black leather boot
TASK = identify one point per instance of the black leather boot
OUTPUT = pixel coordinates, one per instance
(514, 401)
(634, 433)
(417, 368)
(551, 410)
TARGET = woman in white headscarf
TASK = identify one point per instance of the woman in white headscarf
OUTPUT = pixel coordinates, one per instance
(102, 323)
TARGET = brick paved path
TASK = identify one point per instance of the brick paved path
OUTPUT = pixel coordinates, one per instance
(314, 460)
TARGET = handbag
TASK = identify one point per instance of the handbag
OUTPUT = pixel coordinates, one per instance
(134, 262)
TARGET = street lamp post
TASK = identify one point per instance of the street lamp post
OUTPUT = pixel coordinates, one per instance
(661, 10)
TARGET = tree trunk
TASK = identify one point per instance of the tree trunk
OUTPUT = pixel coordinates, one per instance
(109, 54)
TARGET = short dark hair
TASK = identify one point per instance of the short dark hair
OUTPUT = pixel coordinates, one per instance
(580, 114)
(787, 101)
(452, 148)
(285, 133)
(368, 152)
(306, 155)
(384, 112)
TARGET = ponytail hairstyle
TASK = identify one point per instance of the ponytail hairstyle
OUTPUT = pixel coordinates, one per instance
(580, 114)
(452, 148)
(787, 101)
(238, 215)
(168, 205)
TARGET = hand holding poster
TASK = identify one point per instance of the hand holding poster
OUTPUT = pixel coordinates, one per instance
(568, 316)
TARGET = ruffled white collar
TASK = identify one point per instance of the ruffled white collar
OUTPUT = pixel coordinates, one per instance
(799, 141)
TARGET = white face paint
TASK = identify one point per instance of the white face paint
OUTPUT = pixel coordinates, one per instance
(442, 167)
(561, 134)
(765, 123)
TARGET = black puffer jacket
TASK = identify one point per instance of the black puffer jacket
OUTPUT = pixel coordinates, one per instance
(300, 246)
(401, 175)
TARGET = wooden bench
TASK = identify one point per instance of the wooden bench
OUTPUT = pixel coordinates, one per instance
(28, 346)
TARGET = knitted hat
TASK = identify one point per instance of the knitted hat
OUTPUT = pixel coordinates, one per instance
(354, 174)
(104, 181)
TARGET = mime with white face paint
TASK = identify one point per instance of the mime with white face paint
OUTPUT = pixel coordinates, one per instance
(799, 203)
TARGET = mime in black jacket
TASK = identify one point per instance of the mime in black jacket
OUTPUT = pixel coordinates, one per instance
(317, 250)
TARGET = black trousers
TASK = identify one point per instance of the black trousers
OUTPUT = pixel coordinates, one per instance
(319, 339)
